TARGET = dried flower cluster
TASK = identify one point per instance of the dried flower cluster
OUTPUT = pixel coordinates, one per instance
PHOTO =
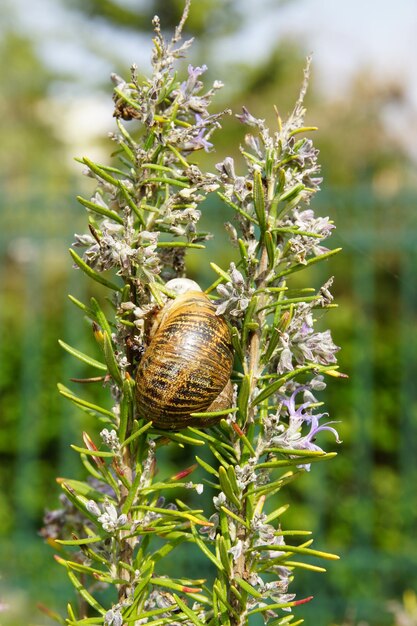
(143, 217)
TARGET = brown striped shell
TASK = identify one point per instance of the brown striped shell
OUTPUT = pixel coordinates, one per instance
(187, 365)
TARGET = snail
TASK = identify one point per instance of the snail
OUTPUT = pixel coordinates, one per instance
(187, 364)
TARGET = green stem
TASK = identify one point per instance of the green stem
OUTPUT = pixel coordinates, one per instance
(241, 567)
(128, 467)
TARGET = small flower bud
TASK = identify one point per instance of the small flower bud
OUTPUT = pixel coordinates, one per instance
(93, 508)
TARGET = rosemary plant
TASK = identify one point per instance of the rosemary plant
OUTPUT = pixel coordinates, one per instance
(118, 527)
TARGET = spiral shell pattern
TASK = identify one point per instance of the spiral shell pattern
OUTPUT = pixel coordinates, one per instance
(186, 365)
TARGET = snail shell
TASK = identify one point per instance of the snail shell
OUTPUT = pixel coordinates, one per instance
(187, 365)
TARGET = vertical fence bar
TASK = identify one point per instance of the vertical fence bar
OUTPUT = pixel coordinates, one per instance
(362, 384)
(408, 390)
(26, 475)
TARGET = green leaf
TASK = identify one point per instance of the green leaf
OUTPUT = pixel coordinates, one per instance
(78, 501)
(222, 596)
(214, 413)
(207, 467)
(247, 587)
(102, 172)
(221, 454)
(270, 248)
(274, 387)
(181, 515)
(163, 168)
(294, 452)
(147, 568)
(236, 517)
(272, 344)
(82, 357)
(224, 532)
(92, 273)
(87, 620)
(80, 567)
(290, 194)
(312, 261)
(221, 612)
(225, 557)
(306, 566)
(236, 208)
(154, 612)
(101, 210)
(85, 594)
(243, 397)
(259, 200)
(302, 129)
(90, 468)
(180, 437)
(83, 489)
(217, 441)
(126, 407)
(208, 553)
(169, 583)
(213, 286)
(278, 605)
(67, 393)
(137, 433)
(79, 542)
(243, 254)
(70, 611)
(289, 462)
(249, 318)
(98, 453)
(131, 158)
(237, 347)
(273, 487)
(180, 244)
(231, 474)
(297, 231)
(227, 487)
(166, 180)
(100, 317)
(131, 203)
(82, 306)
(124, 96)
(64, 391)
(220, 272)
(281, 179)
(188, 612)
(130, 498)
(297, 550)
(111, 359)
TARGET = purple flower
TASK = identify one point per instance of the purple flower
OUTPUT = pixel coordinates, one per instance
(291, 436)
(249, 119)
(196, 137)
(300, 343)
(192, 84)
(199, 141)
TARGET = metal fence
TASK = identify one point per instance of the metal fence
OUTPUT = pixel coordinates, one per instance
(362, 505)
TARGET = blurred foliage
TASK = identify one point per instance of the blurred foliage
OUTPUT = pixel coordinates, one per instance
(35, 173)
(404, 612)
(29, 149)
(366, 507)
(357, 144)
(210, 18)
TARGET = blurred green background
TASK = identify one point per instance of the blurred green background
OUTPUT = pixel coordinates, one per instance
(55, 103)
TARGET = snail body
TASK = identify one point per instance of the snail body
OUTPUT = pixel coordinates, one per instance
(187, 365)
